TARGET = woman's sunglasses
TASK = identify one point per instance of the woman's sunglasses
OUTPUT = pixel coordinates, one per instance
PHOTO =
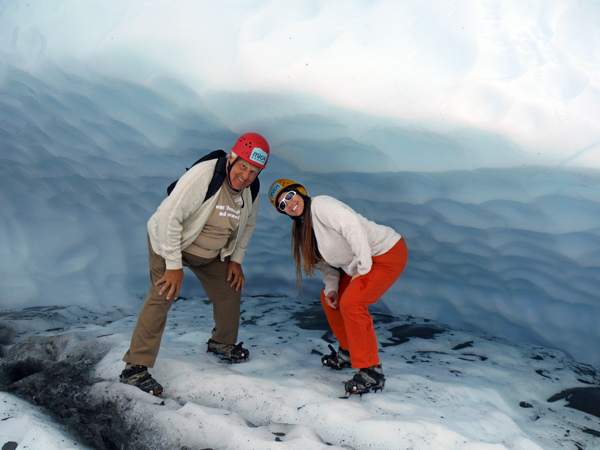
(283, 203)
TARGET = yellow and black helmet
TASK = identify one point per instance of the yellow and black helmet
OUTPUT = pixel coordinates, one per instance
(283, 185)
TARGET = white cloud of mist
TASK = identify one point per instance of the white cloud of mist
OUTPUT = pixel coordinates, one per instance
(481, 73)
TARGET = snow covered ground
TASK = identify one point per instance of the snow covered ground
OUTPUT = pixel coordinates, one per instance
(446, 388)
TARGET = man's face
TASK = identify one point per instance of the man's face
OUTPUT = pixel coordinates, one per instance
(242, 173)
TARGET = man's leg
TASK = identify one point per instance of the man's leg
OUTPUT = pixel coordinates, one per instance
(147, 335)
(225, 300)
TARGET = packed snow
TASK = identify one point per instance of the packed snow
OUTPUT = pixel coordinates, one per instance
(469, 127)
(446, 388)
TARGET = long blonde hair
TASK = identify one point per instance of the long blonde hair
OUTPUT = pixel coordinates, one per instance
(305, 252)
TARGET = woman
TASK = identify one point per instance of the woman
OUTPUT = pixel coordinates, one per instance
(359, 260)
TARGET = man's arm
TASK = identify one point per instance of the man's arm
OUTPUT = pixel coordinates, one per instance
(166, 225)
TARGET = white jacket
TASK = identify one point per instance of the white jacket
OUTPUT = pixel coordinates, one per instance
(346, 240)
(182, 215)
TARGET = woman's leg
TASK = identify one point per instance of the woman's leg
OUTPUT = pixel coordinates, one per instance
(363, 292)
(334, 316)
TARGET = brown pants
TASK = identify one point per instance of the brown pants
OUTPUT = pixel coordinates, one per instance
(212, 273)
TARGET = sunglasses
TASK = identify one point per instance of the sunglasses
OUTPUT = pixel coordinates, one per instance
(283, 203)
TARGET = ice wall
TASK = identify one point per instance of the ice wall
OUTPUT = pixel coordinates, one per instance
(473, 126)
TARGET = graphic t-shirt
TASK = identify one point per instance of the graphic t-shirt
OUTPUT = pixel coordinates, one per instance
(223, 222)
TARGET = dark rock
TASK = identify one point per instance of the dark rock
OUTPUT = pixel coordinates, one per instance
(463, 345)
(312, 318)
(55, 373)
(403, 333)
(585, 399)
(541, 372)
(6, 334)
(591, 431)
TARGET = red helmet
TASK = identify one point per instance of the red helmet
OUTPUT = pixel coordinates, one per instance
(253, 148)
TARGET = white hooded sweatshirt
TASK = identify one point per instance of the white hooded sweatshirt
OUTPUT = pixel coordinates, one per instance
(346, 240)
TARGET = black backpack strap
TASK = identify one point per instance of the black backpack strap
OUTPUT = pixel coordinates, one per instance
(254, 188)
(171, 187)
(212, 155)
(218, 176)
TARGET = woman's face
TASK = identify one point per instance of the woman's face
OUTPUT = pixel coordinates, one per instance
(293, 207)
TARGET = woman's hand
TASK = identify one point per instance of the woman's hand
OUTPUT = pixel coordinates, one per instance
(355, 276)
(331, 300)
(172, 280)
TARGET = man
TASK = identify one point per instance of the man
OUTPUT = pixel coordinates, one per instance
(208, 234)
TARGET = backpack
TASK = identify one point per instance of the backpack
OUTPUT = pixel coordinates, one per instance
(218, 176)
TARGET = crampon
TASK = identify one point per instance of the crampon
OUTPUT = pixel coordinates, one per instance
(366, 380)
(337, 360)
(138, 376)
(229, 352)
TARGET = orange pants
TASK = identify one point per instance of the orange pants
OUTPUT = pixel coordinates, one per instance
(351, 322)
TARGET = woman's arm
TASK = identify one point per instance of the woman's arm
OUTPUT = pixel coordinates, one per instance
(344, 221)
(331, 277)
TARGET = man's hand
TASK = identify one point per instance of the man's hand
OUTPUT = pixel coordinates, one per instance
(331, 300)
(172, 281)
(235, 274)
